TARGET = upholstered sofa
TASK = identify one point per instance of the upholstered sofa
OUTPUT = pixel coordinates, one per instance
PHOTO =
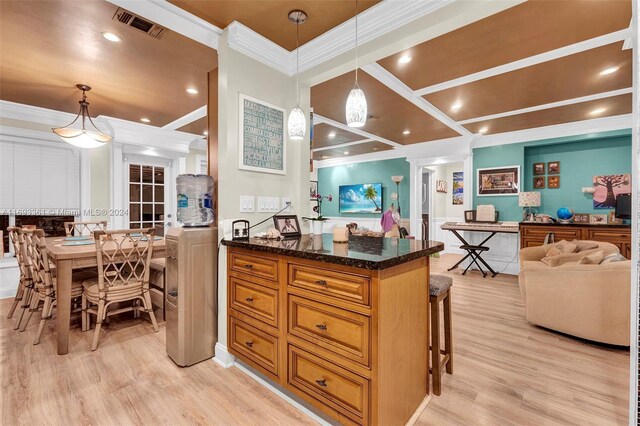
(591, 301)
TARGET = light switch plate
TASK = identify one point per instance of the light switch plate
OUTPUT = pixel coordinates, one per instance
(247, 204)
(268, 204)
(286, 200)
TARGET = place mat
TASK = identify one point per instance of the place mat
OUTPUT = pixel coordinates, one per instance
(78, 238)
(78, 243)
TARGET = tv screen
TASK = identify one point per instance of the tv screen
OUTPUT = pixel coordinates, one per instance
(623, 206)
(361, 198)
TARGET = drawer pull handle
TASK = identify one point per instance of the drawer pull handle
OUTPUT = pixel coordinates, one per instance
(249, 343)
(321, 282)
(248, 266)
(322, 383)
(249, 299)
(321, 326)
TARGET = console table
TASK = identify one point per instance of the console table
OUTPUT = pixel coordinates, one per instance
(533, 234)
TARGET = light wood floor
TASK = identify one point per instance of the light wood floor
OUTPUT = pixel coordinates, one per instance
(506, 372)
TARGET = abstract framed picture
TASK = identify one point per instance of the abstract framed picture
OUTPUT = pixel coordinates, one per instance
(607, 189)
(538, 169)
(553, 167)
(538, 182)
(499, 181)
(553, 182)
(458, 189)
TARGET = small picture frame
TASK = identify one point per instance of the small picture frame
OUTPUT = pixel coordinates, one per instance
(313, 189)
(287, 225)
(553, 168)
(538, 182)
(598, 219)
(581, 218)
(553, 182)
(538, 169)
(613, 220)
(441, 186)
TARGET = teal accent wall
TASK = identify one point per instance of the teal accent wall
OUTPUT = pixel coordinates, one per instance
(330, 178)
(581, 158)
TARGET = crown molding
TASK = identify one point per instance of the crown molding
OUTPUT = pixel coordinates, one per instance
(246, 41)
(23, 112)
(174, 18)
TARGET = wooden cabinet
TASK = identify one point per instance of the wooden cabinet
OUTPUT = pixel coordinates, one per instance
(333, 334)
(532, 234)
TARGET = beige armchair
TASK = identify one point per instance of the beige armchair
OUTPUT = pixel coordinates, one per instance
(587, 301)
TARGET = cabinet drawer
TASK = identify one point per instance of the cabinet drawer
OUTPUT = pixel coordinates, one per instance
(254, 300)
(262, 267)
(257, 346)
(334, 386)
(344, 332)
(354, 288)
(560, 233)
(609, 235)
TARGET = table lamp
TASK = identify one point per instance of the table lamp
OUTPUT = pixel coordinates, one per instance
(397, 180)
(528, 200)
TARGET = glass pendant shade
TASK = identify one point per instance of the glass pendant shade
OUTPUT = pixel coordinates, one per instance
(356, 109)
(297, 124)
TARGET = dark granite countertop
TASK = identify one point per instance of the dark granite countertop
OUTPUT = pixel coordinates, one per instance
(582, 225)
(361, 252)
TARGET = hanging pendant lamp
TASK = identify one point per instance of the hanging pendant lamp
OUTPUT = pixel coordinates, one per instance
(297, 124)
(83, 138)
(356, 109)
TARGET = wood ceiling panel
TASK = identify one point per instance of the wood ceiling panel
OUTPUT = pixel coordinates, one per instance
(197, 127)
(525, 30)
(615, 105)
(392, 114)
(49, 46)
(322, 136)
(270, 18)
(351, 150)
(565, 78)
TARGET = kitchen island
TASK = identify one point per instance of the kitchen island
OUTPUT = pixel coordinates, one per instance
(342, 325)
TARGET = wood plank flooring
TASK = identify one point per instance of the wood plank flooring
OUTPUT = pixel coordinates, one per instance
(505, 372)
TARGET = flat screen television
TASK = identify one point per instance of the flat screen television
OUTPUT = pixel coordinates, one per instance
(360, 198)
(623, 206)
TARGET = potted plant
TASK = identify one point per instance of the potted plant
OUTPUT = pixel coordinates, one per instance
(316, 222)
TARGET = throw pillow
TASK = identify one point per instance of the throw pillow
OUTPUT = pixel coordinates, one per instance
(584, 245)
(593, 258)
(563, 246)
(614, 257)
(564, 258)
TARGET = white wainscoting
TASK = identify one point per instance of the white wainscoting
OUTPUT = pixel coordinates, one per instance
(451, 242)
(503, 251)
(9, 277)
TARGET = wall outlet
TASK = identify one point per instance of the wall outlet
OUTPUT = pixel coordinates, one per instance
(247, 203)
(268, 204)
(286, 200)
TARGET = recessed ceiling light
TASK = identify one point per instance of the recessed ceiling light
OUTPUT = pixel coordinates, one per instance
(332, 135)
(206, 133)
(324, 157)
(483, 130)
(111, 37)
(608, 71)
(406, 132)
(405, 59)
(597, 111)
(346, 153)
(145, 120)
(456, 106)
(192, 91)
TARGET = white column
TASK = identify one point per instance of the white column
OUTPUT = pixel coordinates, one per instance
(117, 185)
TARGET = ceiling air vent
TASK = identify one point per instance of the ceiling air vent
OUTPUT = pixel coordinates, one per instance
(135, 21)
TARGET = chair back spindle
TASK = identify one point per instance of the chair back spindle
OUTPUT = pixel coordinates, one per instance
(74, 229)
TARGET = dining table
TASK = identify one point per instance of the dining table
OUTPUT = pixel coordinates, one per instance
(66, 259)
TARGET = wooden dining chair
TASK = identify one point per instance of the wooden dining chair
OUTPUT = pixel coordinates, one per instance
(25, 284)
(44, 283)
(74, 229)
(124, 258)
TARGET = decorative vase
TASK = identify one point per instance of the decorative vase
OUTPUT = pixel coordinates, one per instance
(316, 229)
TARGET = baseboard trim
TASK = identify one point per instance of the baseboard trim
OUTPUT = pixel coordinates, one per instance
(419, 410)
(223, 358)
(279, 392)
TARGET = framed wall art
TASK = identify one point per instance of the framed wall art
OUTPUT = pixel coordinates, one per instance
(538, 169)
(441, 185)
(553, 167)
(538, 182)
(499, 181)
(262, 145)
(553, 182)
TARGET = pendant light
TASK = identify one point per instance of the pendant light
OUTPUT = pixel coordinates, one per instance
(356, 109)
(297, 125)
(82, 138)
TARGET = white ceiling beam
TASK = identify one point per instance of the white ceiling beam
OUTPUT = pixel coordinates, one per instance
(187, 119)
(342, 145)
(174, 18)
(549, 105)
(392, 82)
(530, 61)
(318, 119)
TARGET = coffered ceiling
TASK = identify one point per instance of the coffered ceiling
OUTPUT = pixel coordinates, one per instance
(270, 18)
(325, 135)
(49, 46)
(537, 64)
